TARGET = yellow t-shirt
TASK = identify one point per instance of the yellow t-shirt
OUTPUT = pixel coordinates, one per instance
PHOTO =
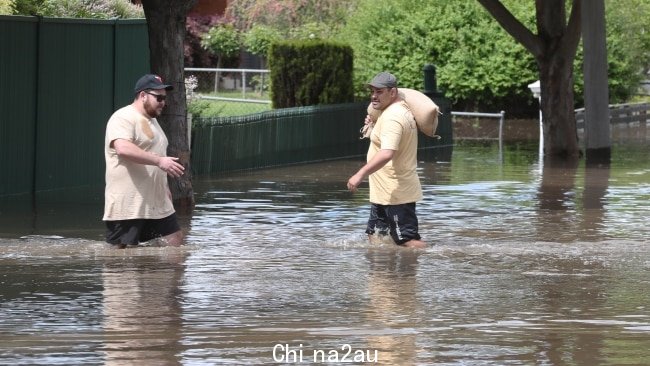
(135, 191)
(397, 182)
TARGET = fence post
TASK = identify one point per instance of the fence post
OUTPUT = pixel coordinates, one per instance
(243, 84)
(501, 121)
(642, 122)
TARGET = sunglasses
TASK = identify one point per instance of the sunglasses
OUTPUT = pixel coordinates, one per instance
(159, 98)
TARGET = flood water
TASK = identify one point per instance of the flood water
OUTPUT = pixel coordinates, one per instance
(529, 264)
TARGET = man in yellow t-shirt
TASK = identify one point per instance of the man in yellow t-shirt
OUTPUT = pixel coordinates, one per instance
(391, 166)
(137, 200)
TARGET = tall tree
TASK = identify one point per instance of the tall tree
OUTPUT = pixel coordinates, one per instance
(166, 25)
(554, 48)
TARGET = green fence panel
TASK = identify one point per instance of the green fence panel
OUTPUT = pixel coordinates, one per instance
(62, 79)
(278, 137)
(131, 58)
(75, 98)
(18, 78)
(295, 135)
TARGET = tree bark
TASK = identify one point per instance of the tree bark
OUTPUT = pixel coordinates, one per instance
(166, 26)
(554, 48)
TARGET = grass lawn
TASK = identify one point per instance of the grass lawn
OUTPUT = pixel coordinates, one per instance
(223, 108)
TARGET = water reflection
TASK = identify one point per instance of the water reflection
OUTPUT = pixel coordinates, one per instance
(393, 302)
(557, 201)
(141, 308)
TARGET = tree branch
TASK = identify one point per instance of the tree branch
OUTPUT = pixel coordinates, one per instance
(574, 29)
(513, 26)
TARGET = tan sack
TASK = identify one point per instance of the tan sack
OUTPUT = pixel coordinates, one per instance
(424, 110)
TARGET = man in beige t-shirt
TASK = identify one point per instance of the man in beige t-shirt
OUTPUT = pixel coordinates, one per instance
(391, 166)
(137, 199)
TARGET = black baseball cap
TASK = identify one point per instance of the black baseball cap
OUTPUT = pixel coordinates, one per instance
(151, 81)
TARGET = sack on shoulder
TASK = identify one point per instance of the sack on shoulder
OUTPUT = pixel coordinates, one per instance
(424, 110)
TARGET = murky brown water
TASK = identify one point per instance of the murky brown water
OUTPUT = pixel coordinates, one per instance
(529, 265)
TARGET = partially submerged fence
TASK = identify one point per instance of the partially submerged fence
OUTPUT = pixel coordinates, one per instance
(629, 120)
(620, 114)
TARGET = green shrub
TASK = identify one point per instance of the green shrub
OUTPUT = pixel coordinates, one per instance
(6, 7)
(100, 9)
(479, 65)
(309, 73)
(223, 41)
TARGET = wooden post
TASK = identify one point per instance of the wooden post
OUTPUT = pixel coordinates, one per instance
(597, 127)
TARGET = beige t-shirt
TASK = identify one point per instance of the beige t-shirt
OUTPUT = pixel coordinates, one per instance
(135, 191)
(397, 182)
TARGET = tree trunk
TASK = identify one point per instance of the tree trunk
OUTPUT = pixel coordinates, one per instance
(554, 47)
(558, 115)
(556, 75)
(166, 26)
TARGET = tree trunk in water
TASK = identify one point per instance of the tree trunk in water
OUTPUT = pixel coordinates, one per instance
(554, 48)
(558, 115)
(166, 25)
(555, 62)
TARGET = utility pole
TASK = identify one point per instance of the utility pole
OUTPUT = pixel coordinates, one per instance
(597, 127)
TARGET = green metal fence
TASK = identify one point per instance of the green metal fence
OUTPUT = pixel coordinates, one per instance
(18, 83)
(294, 135)
(61, 80)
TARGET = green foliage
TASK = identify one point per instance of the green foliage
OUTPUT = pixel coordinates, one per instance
(222, 40)
(287, 15)
(310, 72)
(259, 38)
(476, 61)
(96, 9)
(126, 10)
(6, 7)
(479, 65)
(311, 30)
(27, 7)
(628, 46)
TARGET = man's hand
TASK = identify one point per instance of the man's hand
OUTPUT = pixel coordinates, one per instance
(354, 181)
(171, 166)
(379, 160)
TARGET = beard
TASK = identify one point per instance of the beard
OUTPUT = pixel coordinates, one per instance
(151, 110)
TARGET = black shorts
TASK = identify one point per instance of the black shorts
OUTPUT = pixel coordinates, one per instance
(132, 232)
(399, 221)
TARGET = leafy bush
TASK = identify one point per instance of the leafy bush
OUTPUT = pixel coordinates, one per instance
(309, 73)
(26, 7)
(479, 65)
(259, 38)
(6, 7)
(223, 41)
(195, 27)
(99, 9)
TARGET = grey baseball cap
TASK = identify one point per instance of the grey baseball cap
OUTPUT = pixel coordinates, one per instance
(384, 80)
